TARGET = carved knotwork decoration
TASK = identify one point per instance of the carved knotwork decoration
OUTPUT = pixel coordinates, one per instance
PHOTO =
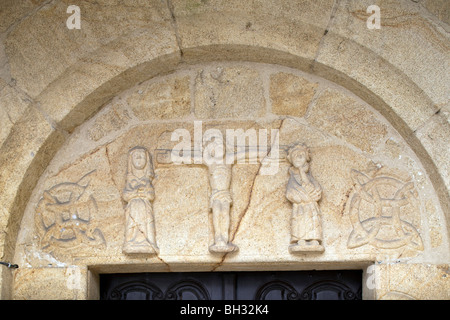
(382, 198)
(63, 216)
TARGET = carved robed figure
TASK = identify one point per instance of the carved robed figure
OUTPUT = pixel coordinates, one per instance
(139, 194)
(304, 193)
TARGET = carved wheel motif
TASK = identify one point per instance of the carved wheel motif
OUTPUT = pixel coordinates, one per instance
(64, 216)
(383, 198)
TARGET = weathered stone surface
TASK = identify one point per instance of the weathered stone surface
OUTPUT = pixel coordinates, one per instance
(116, 117)
(290, 94)
(284, 26)
(31, 141)
(52, 283)
(229, 92)
(403, 29)
(412, 281)
(88, 202)
(14, 11)
(70, 104)
(4, 65)
(13, 105)
(181, 211)
(413, 107)
(437, 129)
(439, 8)
(347, 119)
(169, 99)
(31, 40)
(435, 224)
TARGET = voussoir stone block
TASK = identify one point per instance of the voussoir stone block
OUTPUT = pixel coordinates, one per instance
(239, 27)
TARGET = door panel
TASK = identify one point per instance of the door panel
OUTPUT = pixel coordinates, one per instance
(277, 285)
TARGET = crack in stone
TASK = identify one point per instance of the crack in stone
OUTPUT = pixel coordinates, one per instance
(344, 201)
(248, 204)
(112, 176)
(156, 254)
(327, 29)
(251, 189)
(175, 27)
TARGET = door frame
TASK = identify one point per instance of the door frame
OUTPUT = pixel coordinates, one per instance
(94, 271)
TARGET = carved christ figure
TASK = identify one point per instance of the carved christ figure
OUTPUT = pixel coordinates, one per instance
(139, 194)
(220, 199)
(304, 193)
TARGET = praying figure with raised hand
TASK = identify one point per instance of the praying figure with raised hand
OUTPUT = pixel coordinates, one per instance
(304, 193)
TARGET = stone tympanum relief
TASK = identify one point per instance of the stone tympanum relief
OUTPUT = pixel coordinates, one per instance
(304, 193)
(139, 194)
(381, 210)
(63, 216)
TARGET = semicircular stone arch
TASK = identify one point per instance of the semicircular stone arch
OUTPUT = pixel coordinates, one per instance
(314, 81)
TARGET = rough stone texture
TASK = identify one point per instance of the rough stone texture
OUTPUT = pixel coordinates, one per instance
(52, 283)
(70, 107)
(291, 95)
(13, 11)
(345, 118)
(55, 80)
(13, 105)
(413, 107)
(437, 129)
(403, 29)
(61, 48)
(31, 135)
(229, 92)
(113, 120)
(412, 282)
(4, 66)
(435, 224)
(163, 100)
(283, 26)
(30, 146)
(439, 8)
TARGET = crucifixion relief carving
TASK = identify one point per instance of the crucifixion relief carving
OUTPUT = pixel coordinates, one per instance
(215, 154)
(220, 198)
(302, 190)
